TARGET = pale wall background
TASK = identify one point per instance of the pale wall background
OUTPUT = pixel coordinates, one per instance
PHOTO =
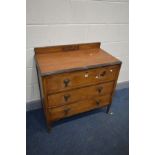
(53, 22)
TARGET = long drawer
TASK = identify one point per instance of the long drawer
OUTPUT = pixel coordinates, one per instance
(79, 94)
(66, 81)
(78, 107)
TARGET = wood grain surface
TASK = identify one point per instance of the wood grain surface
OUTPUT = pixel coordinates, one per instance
(75, 95)
(75, 78)
(68, 60)
(79, 107)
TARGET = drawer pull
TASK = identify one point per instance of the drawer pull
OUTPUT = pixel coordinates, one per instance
(66, 97)
(111, 70)
(97, 102)
(66, 110)
(103, 73)
(66, 82)
(100, 89)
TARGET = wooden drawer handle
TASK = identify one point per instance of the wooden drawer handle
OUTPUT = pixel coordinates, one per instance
(66, 110)
(66, 97)
(66, 82)
(103, 73)
(98, 102)
(99, 89)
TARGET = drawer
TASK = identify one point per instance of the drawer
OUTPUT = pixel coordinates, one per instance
(78, 107)
(65, 81)
(79, 94)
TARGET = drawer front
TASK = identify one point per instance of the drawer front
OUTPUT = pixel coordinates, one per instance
(78, 107)
(59, 82)
(80, 94)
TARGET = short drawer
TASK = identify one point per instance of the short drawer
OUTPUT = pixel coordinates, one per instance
(79, 94)
(78, 107)
(65, 81)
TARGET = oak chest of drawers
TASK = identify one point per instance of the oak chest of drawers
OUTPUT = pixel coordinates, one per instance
(75, 79)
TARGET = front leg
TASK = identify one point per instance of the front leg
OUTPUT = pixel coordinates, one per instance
(108, 108)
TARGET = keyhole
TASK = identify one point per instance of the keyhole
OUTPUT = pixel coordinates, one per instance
(86, 75)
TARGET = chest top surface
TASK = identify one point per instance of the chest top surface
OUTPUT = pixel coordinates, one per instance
(65, 58)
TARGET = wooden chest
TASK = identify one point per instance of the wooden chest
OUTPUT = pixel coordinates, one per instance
(75, 79)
